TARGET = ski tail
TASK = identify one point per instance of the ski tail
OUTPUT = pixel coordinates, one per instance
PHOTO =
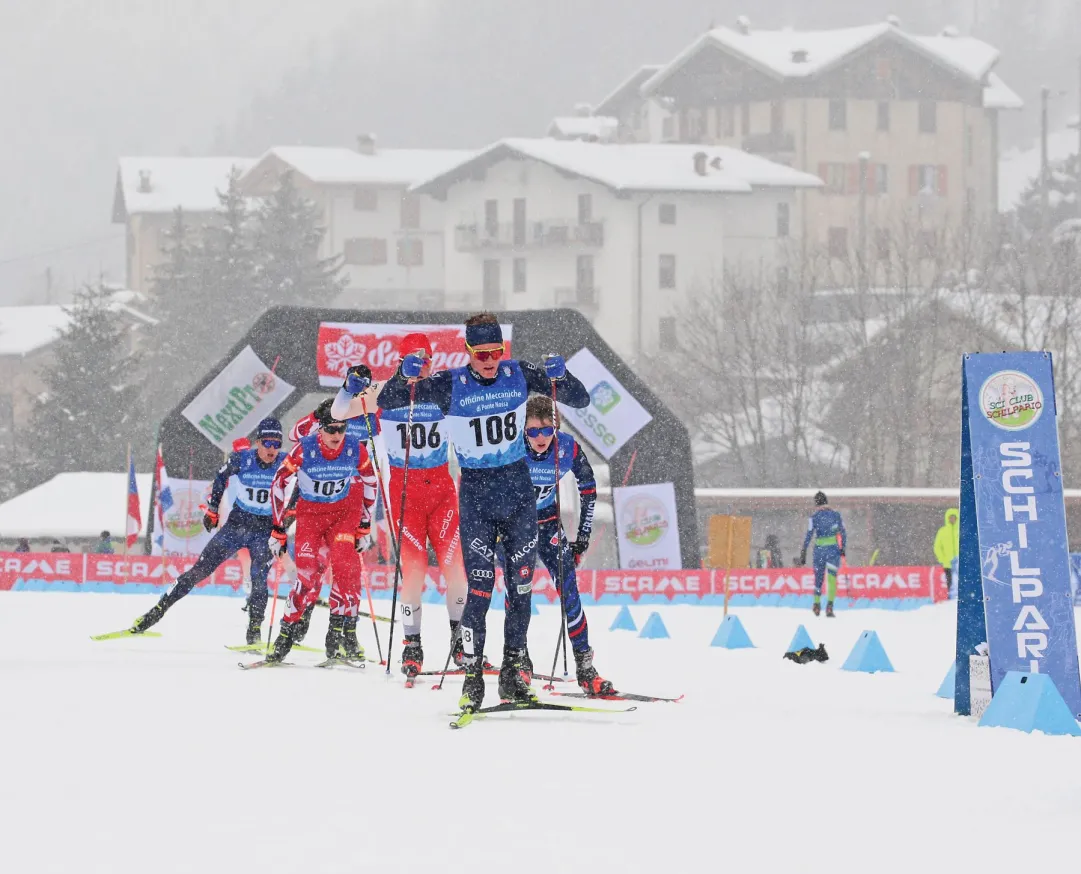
(127, 632)
(466, 717)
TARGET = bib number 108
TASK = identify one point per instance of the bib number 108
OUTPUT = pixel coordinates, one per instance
(496, 429)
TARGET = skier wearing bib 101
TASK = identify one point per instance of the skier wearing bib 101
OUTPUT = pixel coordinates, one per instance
(559, 556)
(247, 527)
(484, 403)
(431, 505)
(323, 467)
(827, 530)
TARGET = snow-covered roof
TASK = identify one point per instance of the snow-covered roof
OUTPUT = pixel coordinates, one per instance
(1018, 168)
(589, 127)
(628, 86)
(775, 51)
(998, 95)
(24, 329)
(636, 166)
(73, 505)
(160, 185)
(341, 166)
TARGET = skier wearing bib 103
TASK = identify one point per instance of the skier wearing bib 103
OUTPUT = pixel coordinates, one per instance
(827, 529)
(323, 467)
(543, 441)
(484, 403)
(247, 527)
(431, 506)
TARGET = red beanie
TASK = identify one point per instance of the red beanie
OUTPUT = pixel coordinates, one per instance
(412, 342)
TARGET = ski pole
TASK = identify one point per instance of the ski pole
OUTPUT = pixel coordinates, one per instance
(446, 664)
(379, 480)
(401, 523)
(274, 604)
(559, 548)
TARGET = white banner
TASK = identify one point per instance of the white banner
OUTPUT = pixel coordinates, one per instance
(235, 401)
(184, 533)
(646, 527)
(613, 416)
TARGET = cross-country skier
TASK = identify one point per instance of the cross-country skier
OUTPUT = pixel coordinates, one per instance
(827, 529)
(323, 467)
(559, 556)
(430, 508)
(247, 527)
(484, 403)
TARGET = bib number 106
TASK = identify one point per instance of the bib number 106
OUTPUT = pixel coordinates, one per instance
(497, 429)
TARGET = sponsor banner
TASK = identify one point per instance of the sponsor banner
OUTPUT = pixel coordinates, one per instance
(613, 416)
(1013, 507)
(183, 532)
(343, 344)
(646, 528)
(236, 399)
(770, 586)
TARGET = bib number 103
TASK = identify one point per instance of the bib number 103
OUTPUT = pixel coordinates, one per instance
(329, 488)
(497, 429)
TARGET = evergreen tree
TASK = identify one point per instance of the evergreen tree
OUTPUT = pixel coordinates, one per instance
(1061, 197)
(90, 409)
(288, 232)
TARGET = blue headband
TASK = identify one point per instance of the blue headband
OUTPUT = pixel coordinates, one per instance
(481, 335)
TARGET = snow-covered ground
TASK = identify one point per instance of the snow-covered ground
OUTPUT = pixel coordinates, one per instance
(159, 755)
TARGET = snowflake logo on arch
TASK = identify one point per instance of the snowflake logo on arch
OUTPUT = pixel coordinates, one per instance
(344, 353)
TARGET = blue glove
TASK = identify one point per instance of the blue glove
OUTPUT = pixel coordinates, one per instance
(412, 365)
(555, 366)
(358, 379)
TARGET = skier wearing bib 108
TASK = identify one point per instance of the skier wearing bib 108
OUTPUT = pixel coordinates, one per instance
(827, 529)
(323, 467)
(484, 403)
(247, 527)
(431, 505)
(559, 556)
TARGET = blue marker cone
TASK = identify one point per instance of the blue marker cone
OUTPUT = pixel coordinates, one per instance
(654, 628)
(732, 634)
(949, 682)
(800, 640)
(623, 621)
(868, 655)
(1029, 702)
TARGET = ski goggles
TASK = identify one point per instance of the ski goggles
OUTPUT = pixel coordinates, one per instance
(486, 354)
(546, 431)
(338, 428)
(270, 443)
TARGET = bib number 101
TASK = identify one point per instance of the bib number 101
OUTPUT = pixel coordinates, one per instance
(496, 429)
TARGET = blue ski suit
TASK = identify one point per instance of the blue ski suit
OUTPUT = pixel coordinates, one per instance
(484, 420)
(823, 528)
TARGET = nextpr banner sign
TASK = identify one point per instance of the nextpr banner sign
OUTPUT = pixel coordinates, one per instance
(646, 527)
(1012, 505)
(613, 416)
(232, 405)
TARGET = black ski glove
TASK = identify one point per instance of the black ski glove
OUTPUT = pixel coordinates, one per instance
(578, 549)
(803, 558)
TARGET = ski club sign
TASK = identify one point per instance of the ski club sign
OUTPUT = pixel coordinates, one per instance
(1014, 569)
(342, 345)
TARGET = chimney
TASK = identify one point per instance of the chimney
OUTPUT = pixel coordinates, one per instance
(144, 182)
(799, 56)
(583, 110)
(951, 31)
(743, 24)
(366, 144)
(893, 21)
(700, 163)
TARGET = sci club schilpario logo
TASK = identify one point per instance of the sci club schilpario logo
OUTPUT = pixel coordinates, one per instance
(645, 520)
(1011, 400)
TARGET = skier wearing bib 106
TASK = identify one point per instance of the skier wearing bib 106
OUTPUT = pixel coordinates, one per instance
(323, 466)
(247, 527)
(827, 530)
(559, 556)
(484, 403)
(430, 506)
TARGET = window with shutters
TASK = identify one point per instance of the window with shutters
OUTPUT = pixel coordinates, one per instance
(928, 117)
(585, 209)
(882, 244)
(927, 179)
(666, 213)
(835, 175)
(784, 219)
(838, 242)
(491, 218)
(838, 114)
(365, 251)
(880, 179)
(410, 252)
(519, 275)
(365, 199)
(745, 118)
(776, 116)
(883, 115)
(666, 271)
(883, 70)
(410, 212)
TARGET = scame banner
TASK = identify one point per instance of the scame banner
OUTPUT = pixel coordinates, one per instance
(61, 571)
(343, 344)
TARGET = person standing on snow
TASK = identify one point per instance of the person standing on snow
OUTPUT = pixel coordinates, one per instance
(827, 529)
(948, 544)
